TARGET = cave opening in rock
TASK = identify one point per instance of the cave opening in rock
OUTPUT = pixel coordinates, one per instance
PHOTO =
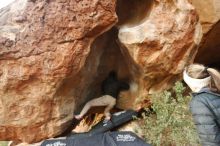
(106, 56)
(209, 53)
(107, 53)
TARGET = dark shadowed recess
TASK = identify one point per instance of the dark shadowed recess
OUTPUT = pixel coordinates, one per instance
(133, 12)
(209, 51)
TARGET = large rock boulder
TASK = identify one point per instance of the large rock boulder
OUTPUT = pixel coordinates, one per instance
(161, 43)
(43, 47)
(54, 55)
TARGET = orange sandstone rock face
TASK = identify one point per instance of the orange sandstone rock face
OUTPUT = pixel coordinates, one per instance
(162, 43)
(42, 44)
(54, 55)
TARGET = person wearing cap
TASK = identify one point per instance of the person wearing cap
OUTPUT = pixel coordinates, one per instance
(205, 104)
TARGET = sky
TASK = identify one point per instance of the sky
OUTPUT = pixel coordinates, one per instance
(4, 3)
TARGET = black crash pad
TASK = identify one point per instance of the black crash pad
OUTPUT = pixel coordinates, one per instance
(117, 119)
(118, 138)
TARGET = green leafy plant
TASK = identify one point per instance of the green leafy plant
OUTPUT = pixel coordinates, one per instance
(170, 123)
(3, 143)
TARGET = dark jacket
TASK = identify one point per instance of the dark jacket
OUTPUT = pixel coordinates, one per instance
(112, 86)
(205, 108)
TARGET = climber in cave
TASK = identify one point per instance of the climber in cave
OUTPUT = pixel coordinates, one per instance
(111, 88)
(205, 104)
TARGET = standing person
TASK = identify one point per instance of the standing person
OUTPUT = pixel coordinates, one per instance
(111, 88)
(205, 104)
